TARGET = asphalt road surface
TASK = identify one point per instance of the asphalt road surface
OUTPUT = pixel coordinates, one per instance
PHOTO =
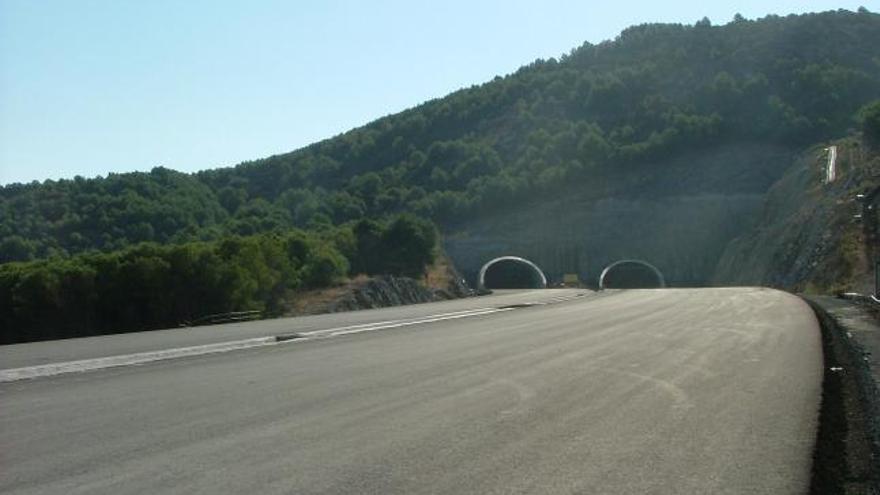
(37, 353)
(648, 391)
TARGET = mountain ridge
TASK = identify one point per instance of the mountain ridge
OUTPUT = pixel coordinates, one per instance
(590, 118)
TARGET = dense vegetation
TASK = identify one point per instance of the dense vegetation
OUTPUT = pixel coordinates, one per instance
(150, 286)
(654, 91)
(870, 117)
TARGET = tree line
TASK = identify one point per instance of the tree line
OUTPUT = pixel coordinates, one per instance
(654, 92)
(149, 286)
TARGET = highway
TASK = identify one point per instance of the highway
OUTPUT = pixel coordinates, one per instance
(37, 353)
(621, 392)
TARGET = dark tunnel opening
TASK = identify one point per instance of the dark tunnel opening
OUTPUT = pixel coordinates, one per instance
(631, 275)
(512, 274)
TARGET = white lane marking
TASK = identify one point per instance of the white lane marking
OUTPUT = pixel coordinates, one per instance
(416, 322)
(553, 300)
(15, 374)
(383, 324)
(44, 370)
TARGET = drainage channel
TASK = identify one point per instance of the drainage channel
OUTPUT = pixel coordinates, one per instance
(844, 456)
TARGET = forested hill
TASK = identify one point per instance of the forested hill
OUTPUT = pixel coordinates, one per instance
(653, 92)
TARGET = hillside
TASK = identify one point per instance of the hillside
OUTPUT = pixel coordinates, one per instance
(680, 220)
(652, 93)
(812, 236)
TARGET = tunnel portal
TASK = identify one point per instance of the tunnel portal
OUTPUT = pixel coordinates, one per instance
(511, 272)
(631, 274)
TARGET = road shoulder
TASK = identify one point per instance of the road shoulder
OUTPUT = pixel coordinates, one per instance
(847, 455)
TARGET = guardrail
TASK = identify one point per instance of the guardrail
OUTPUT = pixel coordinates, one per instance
(856, 297)
(868, 214)
(230, 317)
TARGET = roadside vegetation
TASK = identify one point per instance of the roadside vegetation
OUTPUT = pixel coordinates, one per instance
(869, 116)
(149, 286)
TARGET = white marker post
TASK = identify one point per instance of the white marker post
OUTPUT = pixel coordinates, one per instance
(876, 296)
(831, 167)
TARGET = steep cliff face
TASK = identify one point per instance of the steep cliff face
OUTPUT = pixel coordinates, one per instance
(679, 215)
(737, 215)
(807, 237)
(441, 282)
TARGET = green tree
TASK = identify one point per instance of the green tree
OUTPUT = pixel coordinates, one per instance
(368, 239)
(408, 246)
(870, 120)
(16, 248)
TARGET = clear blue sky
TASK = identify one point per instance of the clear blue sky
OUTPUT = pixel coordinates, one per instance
(91, 87)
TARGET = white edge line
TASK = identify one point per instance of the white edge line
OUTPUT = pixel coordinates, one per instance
(383, 324)
(15, 374)
(426, 320)
(45, 370)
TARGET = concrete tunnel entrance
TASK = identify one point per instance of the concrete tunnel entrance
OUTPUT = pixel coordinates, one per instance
(511, 272)
(631, 274)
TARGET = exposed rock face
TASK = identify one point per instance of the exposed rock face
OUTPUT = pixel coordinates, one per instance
(808, 236)
(745, 215)
(683, 236)
(679, 215)
(384, 291)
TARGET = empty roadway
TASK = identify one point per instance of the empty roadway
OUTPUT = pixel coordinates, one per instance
(644, 391)
(37, 353)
